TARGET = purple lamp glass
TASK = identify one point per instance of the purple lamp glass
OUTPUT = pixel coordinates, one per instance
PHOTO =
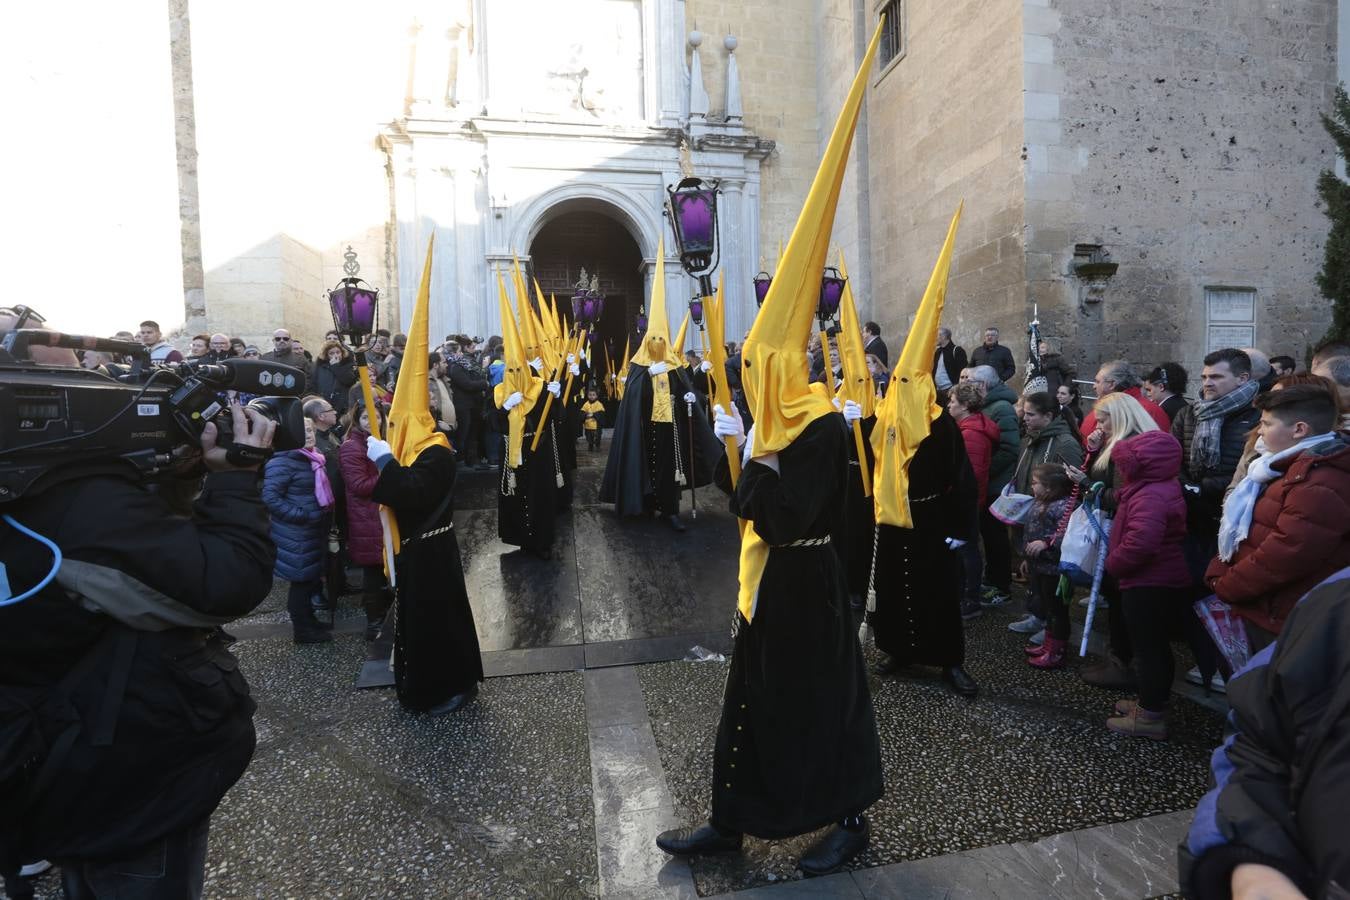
(696, 311)
(762, 282)
(642, 320)
(354, 303)
(831, 292)
(693, 215)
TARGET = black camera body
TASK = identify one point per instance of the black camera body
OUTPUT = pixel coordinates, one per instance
(58, 421)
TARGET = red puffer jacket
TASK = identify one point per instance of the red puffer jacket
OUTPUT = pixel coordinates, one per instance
(1300, 534)
(1150, 523)
(365, 536)
(981, 436)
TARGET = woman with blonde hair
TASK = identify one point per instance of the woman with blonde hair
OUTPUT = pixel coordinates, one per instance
(1119, 417)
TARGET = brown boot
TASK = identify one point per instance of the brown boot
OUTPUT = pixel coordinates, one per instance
(1140, 722)
(1110, 673)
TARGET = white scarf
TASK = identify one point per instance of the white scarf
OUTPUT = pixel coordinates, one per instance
(1238, 508)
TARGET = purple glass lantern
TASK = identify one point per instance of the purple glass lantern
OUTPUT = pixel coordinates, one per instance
(354, 303)
(693, 214)
(831, 292)
(642, 320)
(579, 306)
(696, 311)
(762, 282)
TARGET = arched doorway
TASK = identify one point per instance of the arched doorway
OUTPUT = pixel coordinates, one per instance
(590, 240)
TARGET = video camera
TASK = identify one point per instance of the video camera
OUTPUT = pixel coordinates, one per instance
(58, 421)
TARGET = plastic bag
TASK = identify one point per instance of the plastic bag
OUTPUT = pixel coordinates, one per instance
(1226, 630)
(1010, 508)
(699, 653)
(1081, 544)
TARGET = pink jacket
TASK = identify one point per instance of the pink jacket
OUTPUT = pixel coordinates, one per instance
(981, 436)
(1150, 522)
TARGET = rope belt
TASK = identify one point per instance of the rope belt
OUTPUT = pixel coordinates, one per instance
(914, 500)
(427, 534)
(805, 542)
(854, 462)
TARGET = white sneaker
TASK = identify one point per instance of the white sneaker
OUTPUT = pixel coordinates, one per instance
(34, 868)
(1216, 683)
(1101, 602)
(1038, 638)
(1027, 624)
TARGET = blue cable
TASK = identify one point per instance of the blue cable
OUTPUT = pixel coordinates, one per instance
(56, 561)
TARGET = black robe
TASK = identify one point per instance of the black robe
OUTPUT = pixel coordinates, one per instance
(797, 743)
(854, 545)
(640, 471)
(525, 514)
(435, 642)
(918, 614)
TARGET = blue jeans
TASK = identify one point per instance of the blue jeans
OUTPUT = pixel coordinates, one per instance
(171, 868)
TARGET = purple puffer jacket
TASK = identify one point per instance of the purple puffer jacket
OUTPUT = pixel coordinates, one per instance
(1150, 522)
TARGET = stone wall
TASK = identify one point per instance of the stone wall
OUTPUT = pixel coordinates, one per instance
(1182, 136)
(945, 124)
(277, 283)
(777, 57)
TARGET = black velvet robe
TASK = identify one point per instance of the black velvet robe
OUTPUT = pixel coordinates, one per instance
(854, 545)
(567, 429)
(525, 516)
(797, 743)
(918, 614)
(640, 472)
(435, 642)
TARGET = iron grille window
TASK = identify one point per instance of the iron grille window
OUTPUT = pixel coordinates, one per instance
(892, 37)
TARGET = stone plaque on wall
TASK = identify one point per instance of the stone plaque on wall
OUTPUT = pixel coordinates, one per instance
(1221, 336)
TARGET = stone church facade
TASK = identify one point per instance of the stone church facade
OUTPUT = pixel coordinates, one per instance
(1142, 173)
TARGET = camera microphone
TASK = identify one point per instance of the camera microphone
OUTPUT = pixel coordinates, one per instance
(253, 376)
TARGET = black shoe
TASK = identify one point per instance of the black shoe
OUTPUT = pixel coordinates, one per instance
(373, 628)
(703, 838)
(837, 847)
(312, 635)
(971, 609)
(455, 703)
(960, 681)
(676, 523)
(888, 665)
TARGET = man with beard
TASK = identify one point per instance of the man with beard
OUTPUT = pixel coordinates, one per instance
(661, 441)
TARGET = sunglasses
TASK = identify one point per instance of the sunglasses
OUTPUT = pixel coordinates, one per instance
(22, 315)
(277, 340)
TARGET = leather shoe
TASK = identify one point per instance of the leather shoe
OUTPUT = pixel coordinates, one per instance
(837, 847)
(676, 523)
(455, 703)
(1110, 673)
(960, 681)
(887, 665)
(703, 838)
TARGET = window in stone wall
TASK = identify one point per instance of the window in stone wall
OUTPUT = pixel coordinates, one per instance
(1230, 317)
(893, 34)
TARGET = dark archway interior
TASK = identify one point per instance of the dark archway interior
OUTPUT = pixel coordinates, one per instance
(603, 247)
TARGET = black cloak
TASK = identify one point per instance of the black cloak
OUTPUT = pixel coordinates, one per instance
(854, 545)
(918, 614)
(640, 472)
(435, 642)
(527, 495)
(797, 745)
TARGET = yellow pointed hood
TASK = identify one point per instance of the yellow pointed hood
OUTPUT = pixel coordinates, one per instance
(677, 348)
(656, 345)
(857, 383)
(774, 363)
(411, 426)
(905, 417)
(516, 377)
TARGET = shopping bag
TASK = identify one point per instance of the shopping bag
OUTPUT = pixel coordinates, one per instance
(1084, 539)
(1226, 630)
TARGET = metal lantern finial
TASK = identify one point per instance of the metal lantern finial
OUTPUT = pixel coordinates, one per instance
(354, 303)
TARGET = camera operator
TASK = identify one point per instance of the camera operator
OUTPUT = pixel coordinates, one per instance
(123, 717)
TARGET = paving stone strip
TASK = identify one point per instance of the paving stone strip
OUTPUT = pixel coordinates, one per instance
(632, 802)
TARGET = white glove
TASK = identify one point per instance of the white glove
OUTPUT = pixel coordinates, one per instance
(537, 364)
(835, 401)
(658, 368)
(705, 367)
(574, 369)
(623, 377)
(513, 401)
(852, 411)
(571, 358)
(954, 544)
(375, 448)
(554, 388)
(691, 397)
(727, 425)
